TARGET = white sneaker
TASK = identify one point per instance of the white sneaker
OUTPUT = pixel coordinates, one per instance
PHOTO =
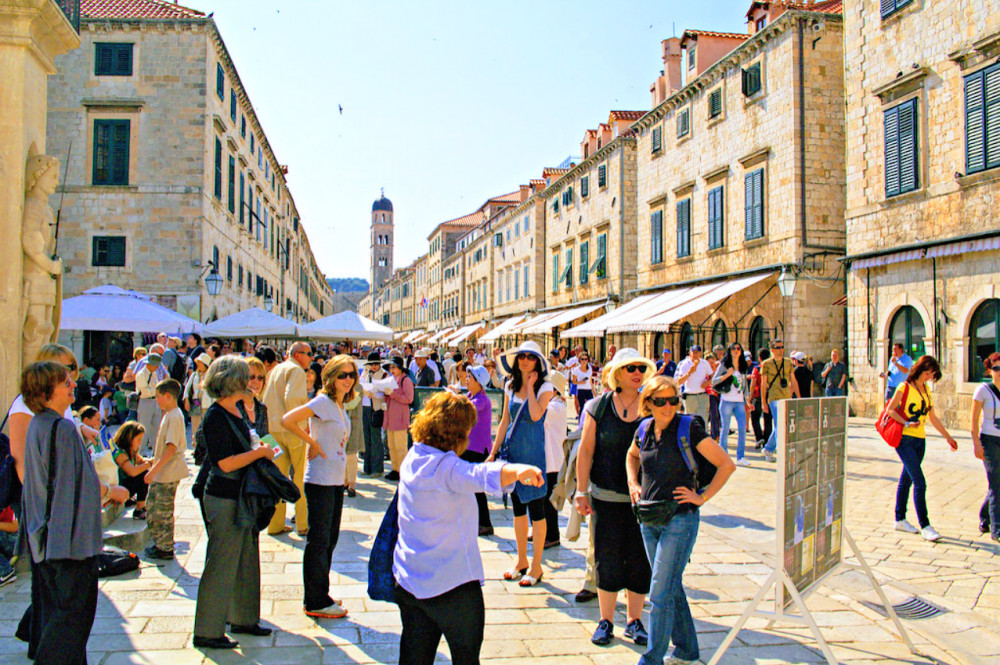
(743, 461)
(903, 525)
(768, 455)
(930, 533)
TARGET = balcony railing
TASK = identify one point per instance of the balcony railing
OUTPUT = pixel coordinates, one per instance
(71, 8)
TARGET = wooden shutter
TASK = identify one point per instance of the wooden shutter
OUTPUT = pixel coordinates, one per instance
(602, 175)
(584, 187)
(684, 228)
(908, 175)
(119, 152)
(99, 252)
(123, 59)
(103, 59)
(715, 219)
(714, 103)
(975, 123)
(683, 124)
(116, 251)
(584, 261)
(993, 117)
(657, 139)
(890, 124)
(754, 204)
(102, 149)
(656, 237)
(218, 169)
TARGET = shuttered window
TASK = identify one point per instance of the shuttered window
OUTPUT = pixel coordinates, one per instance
(218, 169)
(231, 198)
(890, 7)
(751, 80)
(567, 274)
(602, 175)
(112, 59)
(232, 105)
(715, 104)
(982, 120)
(229, 268)
(111, 152)
(656, 237)
(600, 268)
(657, 139)
(220, 82)
(901, 174)
(108, 252)
(584, 187)
(683, 123)
(555, 272)
(526, 290)
(584, 261)
(754, 204)
(684, 228)
(243, 204)
(716, 218)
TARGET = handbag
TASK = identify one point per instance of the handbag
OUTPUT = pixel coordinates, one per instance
(504, 452)
(39, 540)
(10, 484)
(378, 418)
(381, 582)
(890, 429)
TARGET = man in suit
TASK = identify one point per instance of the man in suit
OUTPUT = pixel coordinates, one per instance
(286, 390)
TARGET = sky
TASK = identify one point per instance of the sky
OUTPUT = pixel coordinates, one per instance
(444, 104)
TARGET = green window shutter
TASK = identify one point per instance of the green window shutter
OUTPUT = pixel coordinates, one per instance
(600, 266)
(116, 251)
(220, 82)
(890, 7)
(555, 273)
(584, 262)
(754, 204)
(232, 184)
(218, 169)
(243, 206)
(716, 220)
(232, 104)
(657, 139)
(683, 123)
(584, 186)
(715, 103)
(120, 152)
(656, 237)
(112, 59)
(901, 165)
(111, 152)
(751, 80)
(684, 228)
(602, 175)
(982, 120)
(568, 270)
(104, 59)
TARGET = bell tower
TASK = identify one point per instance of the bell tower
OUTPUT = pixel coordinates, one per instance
(381, 242)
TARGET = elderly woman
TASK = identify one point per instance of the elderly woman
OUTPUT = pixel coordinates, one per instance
(63, 526)
(397, 415)
(609, 424)
(230, 584)
(436, 561)
(326, 471)
(481, 436)
(670, 488)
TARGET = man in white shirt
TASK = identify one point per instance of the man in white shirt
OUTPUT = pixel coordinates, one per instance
(694, 374)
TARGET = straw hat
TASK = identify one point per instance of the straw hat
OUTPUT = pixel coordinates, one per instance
(507, 359)
(204, 359)
(627, 356)
(558, 381)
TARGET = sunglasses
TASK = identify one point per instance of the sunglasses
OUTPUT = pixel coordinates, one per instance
(635, 368)
(347, 375)
(525, 356)
(995, 368)
(584, 359)
(778, 348)
(673, 400)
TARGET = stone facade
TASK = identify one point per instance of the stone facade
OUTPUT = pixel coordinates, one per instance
(903, 265)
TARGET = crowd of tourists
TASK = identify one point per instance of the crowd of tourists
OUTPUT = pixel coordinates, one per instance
(269, 427)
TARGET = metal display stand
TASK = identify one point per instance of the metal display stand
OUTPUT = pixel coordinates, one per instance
(805, 430)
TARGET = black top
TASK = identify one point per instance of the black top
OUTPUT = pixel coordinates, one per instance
(222, 442)
(804, 377)
(425, 376)
(662, 466)
(613, 437)
(259, 423)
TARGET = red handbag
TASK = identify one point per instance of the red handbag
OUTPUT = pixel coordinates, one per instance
(890, 429)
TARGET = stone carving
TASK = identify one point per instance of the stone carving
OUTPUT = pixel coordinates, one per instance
(42, 298)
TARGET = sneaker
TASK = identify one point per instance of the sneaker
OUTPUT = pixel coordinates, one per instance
(8, 578)
(768, 455)
(485, 531)
(743, 461)
(930, 533)
(392, 476)
(334, 611)
(637, 632)
(139, 514)
(605, 631)
(903, 525)
(154, 552)
(984, 527)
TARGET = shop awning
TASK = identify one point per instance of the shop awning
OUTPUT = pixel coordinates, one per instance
(965, 247)
(413, 335)
(463, 333)
(534, 321)
(638, 309)
(596, 327)
(887, 259)
(440, 335)
(560, 318)
(715, 292)
(501, 330)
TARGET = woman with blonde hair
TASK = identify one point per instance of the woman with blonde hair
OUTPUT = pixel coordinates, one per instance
(256, 410)
(325, 478)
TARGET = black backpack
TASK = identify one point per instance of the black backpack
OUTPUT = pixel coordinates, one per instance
(114, 561)
(10, 484)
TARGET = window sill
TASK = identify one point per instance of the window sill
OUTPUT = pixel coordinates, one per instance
(754, 242)
(712, 122)
(904, 198)
(979, 178)
(684, 259)
(754, 99)
(716, 251)
(901, 12)
(683, 139)
(656, 154)
(113, 188)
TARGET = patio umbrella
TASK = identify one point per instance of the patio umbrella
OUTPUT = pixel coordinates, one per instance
(347, 325)
(253, 322)
(110, 308)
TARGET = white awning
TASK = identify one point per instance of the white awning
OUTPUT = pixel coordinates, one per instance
(346, 325)
(422, 336)
(253, 322)
(597, 327)
(887, 259)
(560, 318)
(536, 320)
(437, 337)
(964, 247)
(501, 330)
(463, 333)
(413, 335)
(715, 293)
(642, 308)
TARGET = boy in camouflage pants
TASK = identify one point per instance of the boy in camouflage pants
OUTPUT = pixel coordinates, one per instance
(168, 469)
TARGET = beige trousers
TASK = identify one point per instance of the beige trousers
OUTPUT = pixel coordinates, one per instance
(293, 457)
(397, 447)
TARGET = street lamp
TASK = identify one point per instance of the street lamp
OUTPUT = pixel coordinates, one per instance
(786, 283)
(268, 303)
(213, 281)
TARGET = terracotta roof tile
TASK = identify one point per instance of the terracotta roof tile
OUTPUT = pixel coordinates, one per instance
(822, 6)
(513, 197)
(546, 172)
(537, 181)
(627, 115)
(711, 33)
(140, 9)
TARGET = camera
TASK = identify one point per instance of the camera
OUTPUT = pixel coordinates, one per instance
(784, 383)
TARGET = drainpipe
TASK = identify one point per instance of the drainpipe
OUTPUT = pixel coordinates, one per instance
(621, 225)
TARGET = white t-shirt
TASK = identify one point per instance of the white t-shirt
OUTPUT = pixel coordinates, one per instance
(545, 388)
(572, 362)
(331, 427)
(582, 377)
(991, 409)
(18, 406)
(735, 392)
(555, 434)
(695, 382)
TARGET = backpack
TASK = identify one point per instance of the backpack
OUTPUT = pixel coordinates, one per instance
(10, 484)
(381, 583)
(113, 561)
(702, 470)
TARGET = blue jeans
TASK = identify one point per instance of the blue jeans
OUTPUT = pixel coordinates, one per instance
(374, 446)
(668, 549)
(772, 441)
(990, 512)
(730, 410)
(7, 541)
(835, 392)
(911, 452)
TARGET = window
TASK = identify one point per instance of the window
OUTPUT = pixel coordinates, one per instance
(567, 197)
(656, 237)
(250, 213)
(720, 335)
(901, 149)
(218, 169)
(232, 104)
(584, 187)
(239, 279)
(251, 144)
(517, 284)
(243, 204)
(599, 268)
(890, 7)
(508, 236)
(215, 257)
(760, 336)
(527, 293)
(982, 120)
(525, 223)
(683, 122)
(761, 23)
(220, 82)
(984, 337)
(517, 229)
(684, 228)
(567, 273)
(232, 184)
(602, 175)
(716, 218)
(108, 252)
(229, 268)
(907, 328)
(111, 152)
(112, 59)
(691, 62)
(715, 103)
(555, 272)
(686, 339)
(555, 205)
(657, 139)
(508, 285)
(751, 80)
(243, 126)
(754, 204)
(584, 261)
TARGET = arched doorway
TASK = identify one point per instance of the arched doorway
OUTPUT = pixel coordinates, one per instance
(984, 337)
(720, 334)
(659, 343)
(686, 341)
(759, 337)
(907, 328)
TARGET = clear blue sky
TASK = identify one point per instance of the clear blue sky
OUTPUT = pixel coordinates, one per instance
(444, 103)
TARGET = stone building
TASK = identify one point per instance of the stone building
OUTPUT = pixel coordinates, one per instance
(381, 242)
(923, 146)
(170, 171)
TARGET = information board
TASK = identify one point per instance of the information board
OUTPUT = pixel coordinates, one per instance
(812, 447)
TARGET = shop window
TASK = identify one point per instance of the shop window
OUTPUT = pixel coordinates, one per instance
(984, 337)
(720, 334)
(760, 336)
(907, 328)
(686, 340)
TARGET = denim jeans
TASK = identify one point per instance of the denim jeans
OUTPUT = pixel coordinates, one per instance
(669, 548)
(990, 512)
(772, 441)
(911, 453)
(374, 445)
(7, 541)
(835, 392)
(729, 410)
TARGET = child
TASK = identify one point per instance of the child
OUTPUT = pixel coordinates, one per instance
(132, 466)
(167, 471)
(105, 406)
(8, 537)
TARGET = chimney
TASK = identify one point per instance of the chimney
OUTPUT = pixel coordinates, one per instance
(672, 66)
(525, 193)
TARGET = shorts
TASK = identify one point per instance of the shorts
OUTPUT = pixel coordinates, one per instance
(619, 551)
(534, 509)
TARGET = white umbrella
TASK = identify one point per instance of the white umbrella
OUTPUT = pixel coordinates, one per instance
(110, 308)
(347, 325)
(253, 322)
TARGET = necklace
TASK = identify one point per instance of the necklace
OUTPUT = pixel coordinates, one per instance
(626, 408)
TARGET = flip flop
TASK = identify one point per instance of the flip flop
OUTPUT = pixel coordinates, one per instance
(528, 580)
(512, 574)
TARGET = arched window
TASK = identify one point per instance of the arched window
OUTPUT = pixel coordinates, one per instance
(907, 328)
(686, 340)
(760, 336)
(984, 337)
(659, 343)
(720, 335)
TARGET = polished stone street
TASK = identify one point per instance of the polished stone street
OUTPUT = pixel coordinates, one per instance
(147, 616)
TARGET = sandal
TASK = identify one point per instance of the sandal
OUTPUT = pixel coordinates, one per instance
(139, 514)
(528, 580)
(512, 574)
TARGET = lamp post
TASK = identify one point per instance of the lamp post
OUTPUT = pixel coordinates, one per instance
(213, 281)
(268, 303)
(786, 283)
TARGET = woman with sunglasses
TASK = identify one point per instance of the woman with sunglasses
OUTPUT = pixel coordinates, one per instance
(602, 489)
(668, 483)
(581, 376)
(326, 471)
(912, 407)
(986, 444)
(730, 381)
